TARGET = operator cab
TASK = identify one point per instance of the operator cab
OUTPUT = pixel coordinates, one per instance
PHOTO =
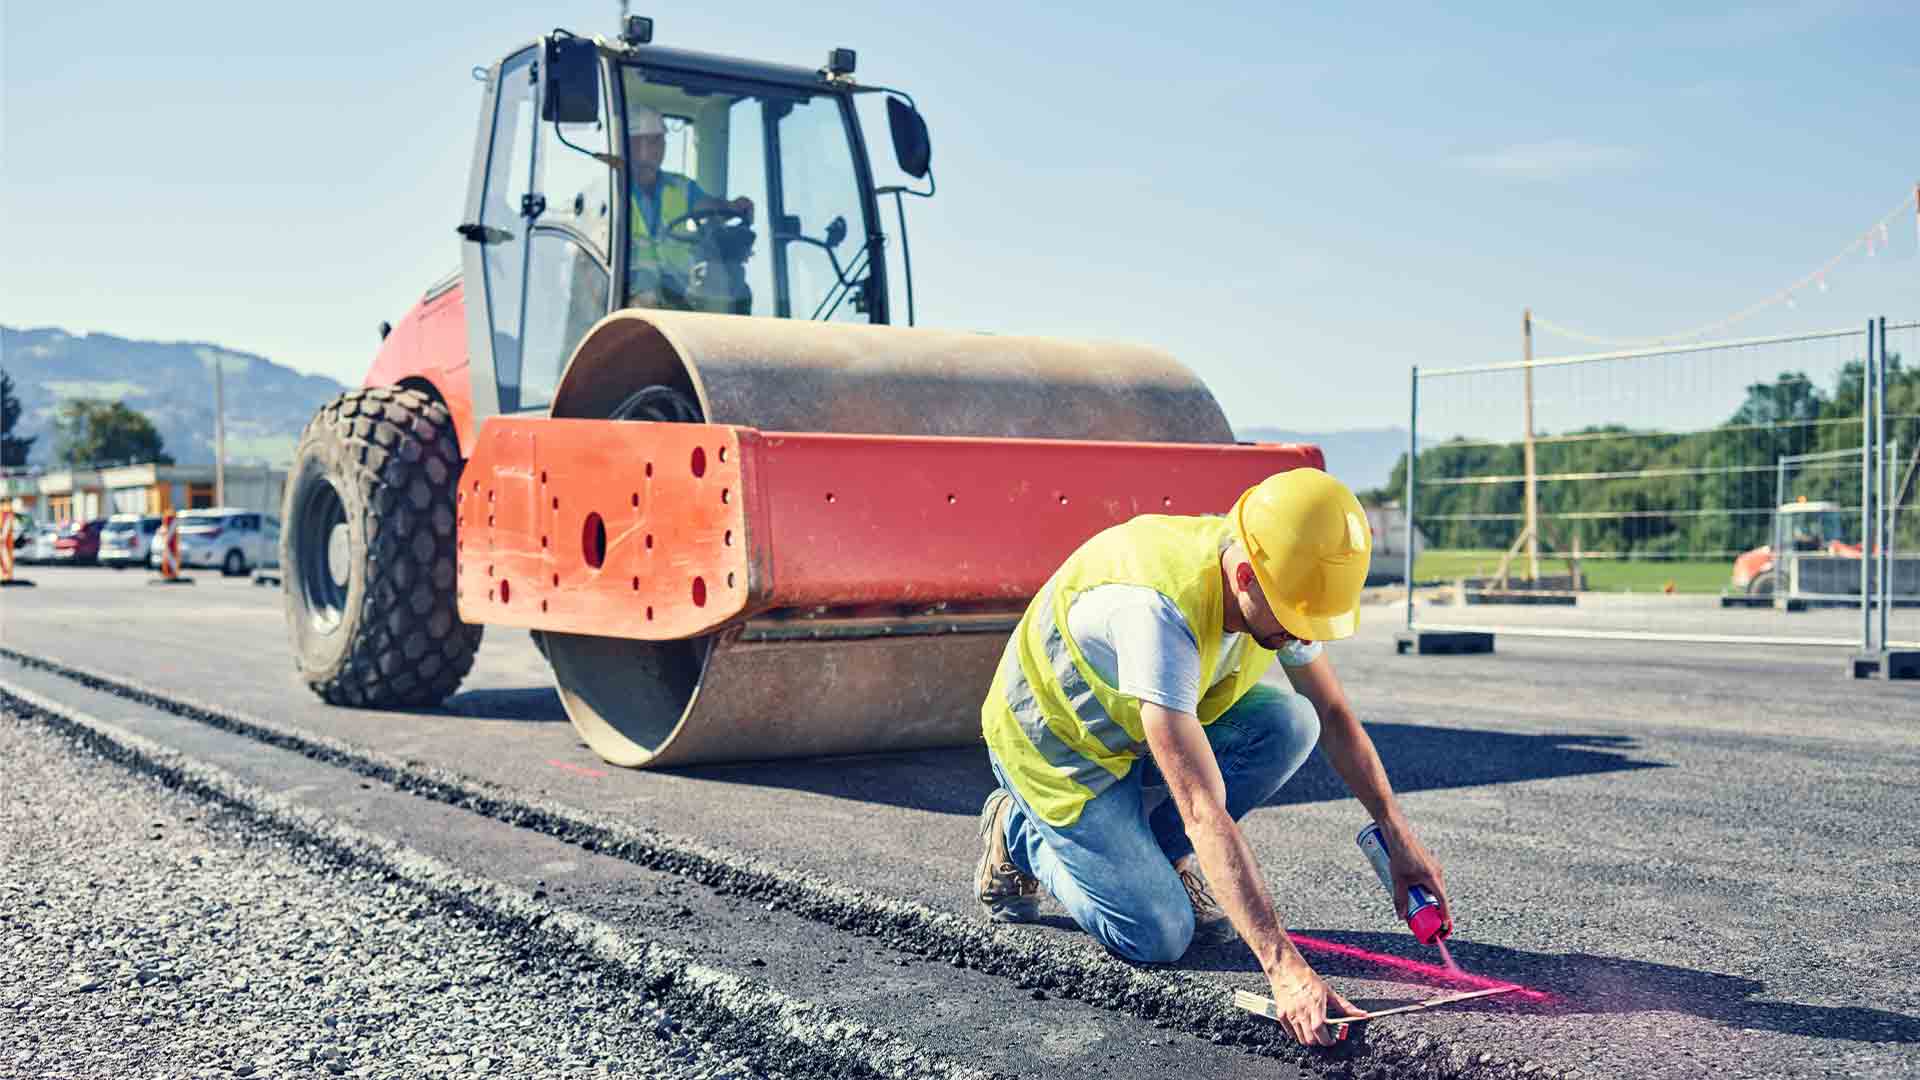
(1818, 526)
(621, 174)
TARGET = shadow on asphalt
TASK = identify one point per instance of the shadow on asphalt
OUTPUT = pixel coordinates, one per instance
(1581, 983)
(1418, 758)
(537, 705)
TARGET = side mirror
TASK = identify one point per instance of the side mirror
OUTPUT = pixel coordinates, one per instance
(912, 147)
(573, 81)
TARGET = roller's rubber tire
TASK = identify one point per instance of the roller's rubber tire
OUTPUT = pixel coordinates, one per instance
(1763, 583)
(368, 547)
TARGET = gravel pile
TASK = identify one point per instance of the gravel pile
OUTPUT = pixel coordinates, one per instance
(150, 935)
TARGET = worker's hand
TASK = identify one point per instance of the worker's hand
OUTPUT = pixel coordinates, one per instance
(742, 206)
(1303, 1001)
(1413, 864)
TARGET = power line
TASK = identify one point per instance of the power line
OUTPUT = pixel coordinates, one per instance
(1876, 231)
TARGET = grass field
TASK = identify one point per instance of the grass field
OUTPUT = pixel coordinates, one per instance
(1604, 575)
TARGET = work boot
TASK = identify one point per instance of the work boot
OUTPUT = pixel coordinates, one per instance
(1006, 893)
(1210, 923)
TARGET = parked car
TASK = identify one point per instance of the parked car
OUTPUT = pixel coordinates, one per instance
(79, 542)
(127, 540)
(41, 550)
(235, 541)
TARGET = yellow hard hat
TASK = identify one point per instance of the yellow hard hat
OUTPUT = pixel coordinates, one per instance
(1308, 540)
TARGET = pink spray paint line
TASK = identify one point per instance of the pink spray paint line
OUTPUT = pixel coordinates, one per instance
(1418, 968)
(572, 768)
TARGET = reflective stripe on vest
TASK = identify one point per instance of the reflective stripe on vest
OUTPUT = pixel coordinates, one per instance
(1061, 733)
(669, 255)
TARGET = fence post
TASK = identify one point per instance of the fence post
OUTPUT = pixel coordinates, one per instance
(1778, 546)
(1866, 491)
(1883, 493)
(1413, 449)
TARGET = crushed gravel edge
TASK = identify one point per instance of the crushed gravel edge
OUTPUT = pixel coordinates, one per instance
(747, 1018)
(1167, 999)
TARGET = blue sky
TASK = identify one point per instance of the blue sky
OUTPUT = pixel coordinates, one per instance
(1297, 202)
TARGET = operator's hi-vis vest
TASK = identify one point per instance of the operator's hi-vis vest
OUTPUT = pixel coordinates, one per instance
(669, 257)
(1060, 732)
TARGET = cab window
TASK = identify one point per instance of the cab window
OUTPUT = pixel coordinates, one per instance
(745, 203)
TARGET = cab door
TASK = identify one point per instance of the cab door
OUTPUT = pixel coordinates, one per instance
(569, 244)
(500, 209)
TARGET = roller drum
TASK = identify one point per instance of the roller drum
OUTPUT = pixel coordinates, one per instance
(853, 685)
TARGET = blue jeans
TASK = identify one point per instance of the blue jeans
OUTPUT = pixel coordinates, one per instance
(1113, 868)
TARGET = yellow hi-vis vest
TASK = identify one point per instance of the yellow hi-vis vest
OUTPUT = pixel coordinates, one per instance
(669, 257)
(1060, 732)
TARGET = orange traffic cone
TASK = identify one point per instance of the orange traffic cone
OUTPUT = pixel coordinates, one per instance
(169, 555)
(6, 552)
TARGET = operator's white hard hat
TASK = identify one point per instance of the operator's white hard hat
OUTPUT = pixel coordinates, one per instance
(645, 120)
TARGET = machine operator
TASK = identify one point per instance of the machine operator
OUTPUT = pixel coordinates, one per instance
(659, 269)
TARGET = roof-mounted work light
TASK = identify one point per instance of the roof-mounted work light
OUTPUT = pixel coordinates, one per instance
(840, 62)
(636, 30)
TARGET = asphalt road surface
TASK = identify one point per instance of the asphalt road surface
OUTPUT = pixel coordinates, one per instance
(1698, 860)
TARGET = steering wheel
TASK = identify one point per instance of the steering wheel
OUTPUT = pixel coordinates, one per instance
(702, 220)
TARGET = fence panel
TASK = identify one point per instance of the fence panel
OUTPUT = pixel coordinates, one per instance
(1901, 399)
(1704, 492)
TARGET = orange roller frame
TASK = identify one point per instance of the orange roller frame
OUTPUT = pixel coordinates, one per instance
(667, 531)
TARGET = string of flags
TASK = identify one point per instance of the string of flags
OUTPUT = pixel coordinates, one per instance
(1876, 239)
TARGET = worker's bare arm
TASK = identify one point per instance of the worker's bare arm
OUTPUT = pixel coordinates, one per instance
(1180, 748)
(1352, 754)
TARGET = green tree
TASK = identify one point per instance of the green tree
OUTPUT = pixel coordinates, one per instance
(1792, 398)
(13, 448)
(1698, 494)
(91, 432)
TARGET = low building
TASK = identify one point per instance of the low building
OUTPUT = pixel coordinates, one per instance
(71, 495)
(20, 492)
(1388, 524)
(156, 489)
(58, 496)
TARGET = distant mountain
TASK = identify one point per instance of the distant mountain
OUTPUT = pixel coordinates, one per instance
(268, 405)
(1362, 458)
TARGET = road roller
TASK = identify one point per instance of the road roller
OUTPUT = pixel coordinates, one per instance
(661, 418)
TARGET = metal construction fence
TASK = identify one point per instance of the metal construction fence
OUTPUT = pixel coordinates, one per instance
(1898, 402)
(1759, 490)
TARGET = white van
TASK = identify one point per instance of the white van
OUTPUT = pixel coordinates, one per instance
(233, 540)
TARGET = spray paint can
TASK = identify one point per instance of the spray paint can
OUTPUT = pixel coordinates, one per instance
(1423, 911)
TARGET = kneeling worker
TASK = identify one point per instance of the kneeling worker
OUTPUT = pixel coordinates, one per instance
(1139, 664)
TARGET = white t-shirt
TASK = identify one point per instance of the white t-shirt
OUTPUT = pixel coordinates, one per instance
(1135, 638)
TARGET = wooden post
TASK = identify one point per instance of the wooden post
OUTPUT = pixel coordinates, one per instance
(1579, 580)
(1532, 532)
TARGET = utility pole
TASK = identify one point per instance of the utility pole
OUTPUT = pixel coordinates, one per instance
(220, 433)
(1533, 505)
